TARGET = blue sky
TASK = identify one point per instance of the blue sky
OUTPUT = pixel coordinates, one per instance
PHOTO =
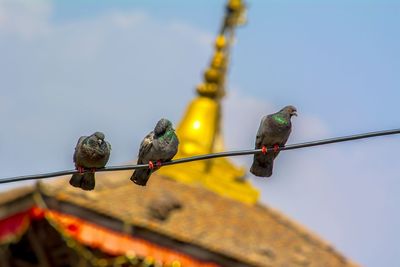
(338, 62)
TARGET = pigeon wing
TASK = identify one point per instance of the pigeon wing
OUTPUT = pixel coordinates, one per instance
(145, 147)
(78, 146)
(261, 133)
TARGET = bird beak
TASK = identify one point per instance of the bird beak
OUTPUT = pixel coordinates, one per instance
(294, 113)
(100, 141)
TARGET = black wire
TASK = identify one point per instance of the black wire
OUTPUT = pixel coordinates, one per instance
(207, 156)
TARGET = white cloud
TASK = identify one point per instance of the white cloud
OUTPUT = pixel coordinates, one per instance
(185, 29)
(128, 21)
(24, 17)
(117, 72)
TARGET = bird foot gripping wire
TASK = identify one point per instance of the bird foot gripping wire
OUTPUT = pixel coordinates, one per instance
(151, 165)
(81, 170)
(157, 165)
(276, 148)
(264, 150)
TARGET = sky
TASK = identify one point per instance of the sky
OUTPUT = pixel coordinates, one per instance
(69, 68)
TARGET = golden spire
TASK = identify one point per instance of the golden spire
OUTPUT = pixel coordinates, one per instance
(199, 131)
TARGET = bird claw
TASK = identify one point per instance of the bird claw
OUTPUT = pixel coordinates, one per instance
(276, 148)
(151, 165)
(155, 166)
(264, 150)
(80, 169)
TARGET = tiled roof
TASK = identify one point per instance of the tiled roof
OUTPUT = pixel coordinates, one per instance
(252, 234)
(14, 194)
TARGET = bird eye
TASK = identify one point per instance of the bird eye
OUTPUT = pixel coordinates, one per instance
(100, 141)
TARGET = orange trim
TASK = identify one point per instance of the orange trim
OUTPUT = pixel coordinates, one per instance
(13, 227)
(115, 243)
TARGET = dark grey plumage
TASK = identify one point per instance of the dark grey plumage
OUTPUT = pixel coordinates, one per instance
(274, 130)
(161, 144)
(91, 152)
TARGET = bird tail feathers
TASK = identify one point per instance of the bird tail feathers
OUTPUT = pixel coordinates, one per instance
(262, 166)
(76, 180)
(85, 181)
(88, 181)
(141, 176)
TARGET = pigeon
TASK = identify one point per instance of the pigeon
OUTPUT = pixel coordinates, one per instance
(159, 145)
(91, 152)
(274, 131)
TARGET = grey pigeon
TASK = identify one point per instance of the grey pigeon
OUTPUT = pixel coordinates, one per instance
(91, 152)
(274, 131)
(159, 145)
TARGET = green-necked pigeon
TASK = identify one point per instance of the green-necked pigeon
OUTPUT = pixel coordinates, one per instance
(159, 145)
(274, 131)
